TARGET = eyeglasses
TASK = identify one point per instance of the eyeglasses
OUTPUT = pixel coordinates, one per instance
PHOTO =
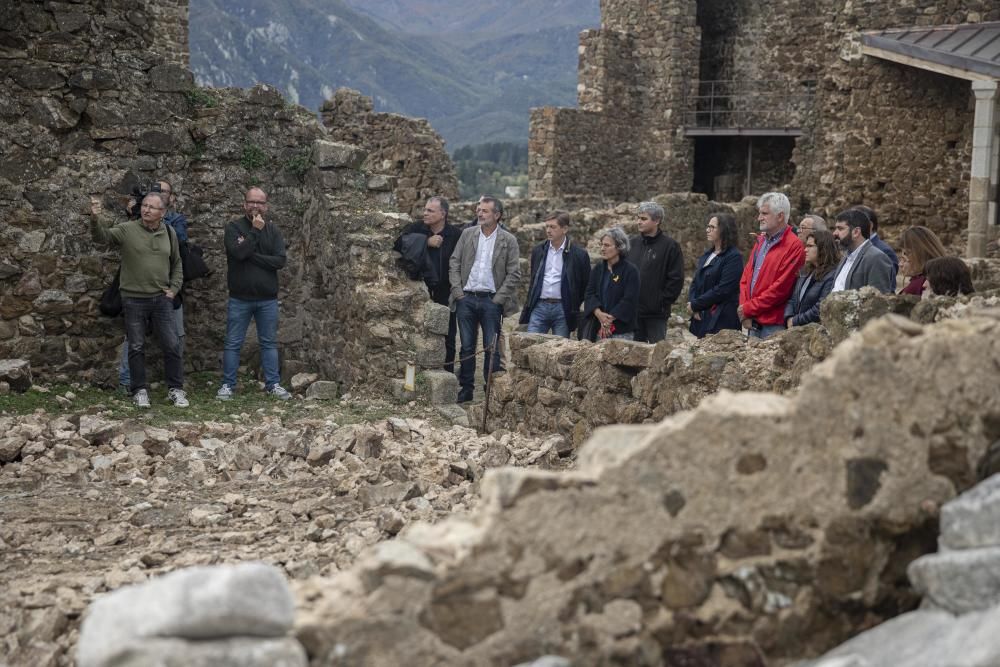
(152, 208)
(712, 227)
(251, 202)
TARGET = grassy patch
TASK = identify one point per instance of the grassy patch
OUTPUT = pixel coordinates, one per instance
(253, 157)
(300, 163)
(198, 97)
(247, 406)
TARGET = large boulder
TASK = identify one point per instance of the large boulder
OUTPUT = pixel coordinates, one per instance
(16, 373)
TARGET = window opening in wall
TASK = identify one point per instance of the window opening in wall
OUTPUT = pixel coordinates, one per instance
(952, 145)
(877, 142)
(728, 168)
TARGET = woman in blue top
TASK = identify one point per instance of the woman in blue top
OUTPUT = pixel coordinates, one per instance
(816, 280)
(612, 296)
(714, 294)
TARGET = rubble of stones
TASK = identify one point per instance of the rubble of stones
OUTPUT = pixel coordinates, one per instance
(93, 503)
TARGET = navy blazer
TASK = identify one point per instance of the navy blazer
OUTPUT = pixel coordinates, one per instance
(803, 306)
(715, 292)
(620, 297)
(575, 275)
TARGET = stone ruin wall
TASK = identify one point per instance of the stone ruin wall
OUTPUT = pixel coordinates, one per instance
(893, 137)
(406, 148)
(617, 143)
(752, 530)
(95, 107)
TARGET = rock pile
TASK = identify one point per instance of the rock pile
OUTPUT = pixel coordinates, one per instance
(92, 504)
(754, 528)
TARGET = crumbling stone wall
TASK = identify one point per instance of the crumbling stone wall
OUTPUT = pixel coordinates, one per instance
(634, 74)
(408, 149)
(98, 105)
(755, 529)
(893, 137)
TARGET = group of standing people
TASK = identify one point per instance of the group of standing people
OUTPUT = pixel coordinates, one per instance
(151, 278)
(790, 272)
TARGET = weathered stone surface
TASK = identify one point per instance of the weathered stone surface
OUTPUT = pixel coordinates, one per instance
(249, 599)
(655, 512)
(973, 519)
(16, 373)
(235, 652)
(331, 155)
(959, 581)
(436, 318)
(926, 638)
(323, 390)
(442, 387)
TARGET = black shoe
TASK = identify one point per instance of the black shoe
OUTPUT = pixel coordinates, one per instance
(464, 396)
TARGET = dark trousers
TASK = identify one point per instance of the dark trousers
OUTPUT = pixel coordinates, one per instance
(475, 312)
(650, 329)
(158, 312)
(449, 344)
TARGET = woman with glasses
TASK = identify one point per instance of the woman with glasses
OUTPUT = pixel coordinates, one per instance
(918, 245)
(815, 281)
(714, 294)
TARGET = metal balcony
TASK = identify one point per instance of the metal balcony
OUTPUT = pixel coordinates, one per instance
(765, 108)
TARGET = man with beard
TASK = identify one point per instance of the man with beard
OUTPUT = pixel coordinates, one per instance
(863, 263)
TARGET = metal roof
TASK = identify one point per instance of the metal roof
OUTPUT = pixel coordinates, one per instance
(968, 51)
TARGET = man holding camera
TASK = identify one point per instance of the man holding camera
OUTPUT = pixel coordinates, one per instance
(151, 276)
(174, 219)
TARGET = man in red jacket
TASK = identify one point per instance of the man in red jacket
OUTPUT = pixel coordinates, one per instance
(769, 276)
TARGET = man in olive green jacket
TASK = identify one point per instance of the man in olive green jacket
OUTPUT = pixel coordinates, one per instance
(151, 276)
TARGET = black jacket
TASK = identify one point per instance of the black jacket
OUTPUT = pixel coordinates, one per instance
(253, 258)
(715, 292)
(661, 272)
(615, 292)
(576, 273)
(803, 306)
(439, 286)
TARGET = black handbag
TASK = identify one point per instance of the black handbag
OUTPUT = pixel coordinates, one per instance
(193, 262)
(589, 329)
(111, 299)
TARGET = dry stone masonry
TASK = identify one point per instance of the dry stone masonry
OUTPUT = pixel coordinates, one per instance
(406, 154)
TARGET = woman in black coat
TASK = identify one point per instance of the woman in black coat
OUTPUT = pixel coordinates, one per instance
(612, 298)
(714, 294)
(816, 280)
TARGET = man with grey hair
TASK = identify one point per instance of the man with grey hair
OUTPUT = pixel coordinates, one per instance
(810, 223)
(661, 273)
(769, 276)
(151, 277)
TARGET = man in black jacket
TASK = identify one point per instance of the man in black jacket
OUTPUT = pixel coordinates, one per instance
(661, 273)
(255, 251)
(559, 274)
(441, 240)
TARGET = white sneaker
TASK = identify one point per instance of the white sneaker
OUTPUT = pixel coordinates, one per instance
(141, 398)
(178, 398)
(279, 392)
(225, 393)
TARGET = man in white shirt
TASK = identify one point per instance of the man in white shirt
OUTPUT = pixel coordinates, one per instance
(863, 264)
(559, 273)
(484, 274)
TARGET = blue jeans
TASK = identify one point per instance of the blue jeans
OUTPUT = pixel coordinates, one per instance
(766, 331)
(124, 376)
(545, 316)
(473, 313)
(238, 316)
(159, 312)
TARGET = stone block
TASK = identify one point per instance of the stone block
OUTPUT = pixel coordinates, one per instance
(301, 381)
(436, 318)
(249, 599)
(454, 413)
(332, 155)
(973, 519)
(430, 351)
(400, 393)
(16, 373)
(626, 353)
(171, 78)
(234, 652)
(442, 387)
(381, 183)
(326, 390)
(958, 581)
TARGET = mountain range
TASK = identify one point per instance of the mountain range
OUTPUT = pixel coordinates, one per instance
(473, 68)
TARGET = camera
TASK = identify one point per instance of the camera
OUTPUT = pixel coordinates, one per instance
(138, 193)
